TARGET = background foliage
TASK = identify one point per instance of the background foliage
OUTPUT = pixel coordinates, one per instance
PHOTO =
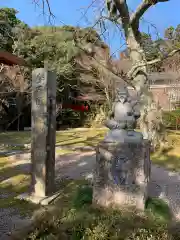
(75, 54)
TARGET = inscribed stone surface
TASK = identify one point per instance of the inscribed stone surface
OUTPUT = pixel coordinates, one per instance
(121, 174)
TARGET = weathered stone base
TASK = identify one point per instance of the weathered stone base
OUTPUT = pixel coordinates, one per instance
(118, 198)
(124, 184)
(38, 200)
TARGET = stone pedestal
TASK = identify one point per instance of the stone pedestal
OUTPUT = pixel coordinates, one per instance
(121, 174)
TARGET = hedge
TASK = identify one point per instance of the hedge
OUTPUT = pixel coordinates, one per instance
(172, 119)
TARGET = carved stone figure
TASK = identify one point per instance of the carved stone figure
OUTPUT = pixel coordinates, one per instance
(123, 118)
(122, 158)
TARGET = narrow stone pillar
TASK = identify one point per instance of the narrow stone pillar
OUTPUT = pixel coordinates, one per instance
(43, 132)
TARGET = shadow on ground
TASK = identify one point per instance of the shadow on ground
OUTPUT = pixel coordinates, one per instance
(79, 167)
(14, 180)
(72, 216)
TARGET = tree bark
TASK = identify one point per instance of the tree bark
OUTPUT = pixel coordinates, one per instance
(138, 73)
(139, 78)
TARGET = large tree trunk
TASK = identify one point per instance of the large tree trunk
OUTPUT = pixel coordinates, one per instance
(118, 9)
(151, 122)
(139, 77)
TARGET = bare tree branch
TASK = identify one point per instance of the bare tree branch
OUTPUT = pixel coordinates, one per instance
(108, 70)
(135, 68)
(122, 7)
(141, 9)
(46, 2)
(164, 57)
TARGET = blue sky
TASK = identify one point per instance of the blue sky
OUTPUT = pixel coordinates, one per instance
(70, 12)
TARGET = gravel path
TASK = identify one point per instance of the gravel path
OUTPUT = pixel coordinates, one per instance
(10, 219)
(164, 184)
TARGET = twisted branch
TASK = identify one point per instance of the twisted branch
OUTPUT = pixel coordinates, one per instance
(141, 9)
(136, 67)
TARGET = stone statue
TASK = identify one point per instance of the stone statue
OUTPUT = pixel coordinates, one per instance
(123, 118)
(122, 158)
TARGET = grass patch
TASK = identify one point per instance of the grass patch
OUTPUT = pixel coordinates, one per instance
(63, 151)
(83, 196)
(73, 217)
(15, 137)
(14, 181)
(68, 138)
(24, 208)
(158, 208)
(168, 158)
(11, 187)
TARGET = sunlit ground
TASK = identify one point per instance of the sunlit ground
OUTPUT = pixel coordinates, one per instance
(170, 157)
(14, 181)
(90, 137)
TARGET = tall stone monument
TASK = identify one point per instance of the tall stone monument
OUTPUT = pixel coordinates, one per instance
(122, 158)
(43, 132)
(43, 135)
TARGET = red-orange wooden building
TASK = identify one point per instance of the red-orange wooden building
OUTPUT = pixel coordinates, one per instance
(10, 59)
